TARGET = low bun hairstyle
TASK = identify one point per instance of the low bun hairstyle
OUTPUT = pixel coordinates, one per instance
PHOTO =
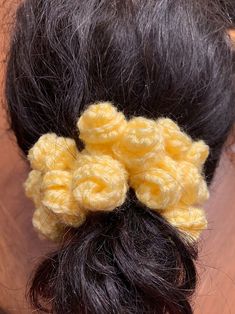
(153, 59)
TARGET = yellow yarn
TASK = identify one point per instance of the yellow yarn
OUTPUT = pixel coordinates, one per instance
(193, 184)
(177, 143)
(99, 183)
(73, 220)
(52, 152)
(197, 154)
(156, 158)
(189, 220)
(140, 142)
(33, 187)
(203, 193)
(47, 224)
(157, 185)
(100, 126)
(57, 193)
(50, 189)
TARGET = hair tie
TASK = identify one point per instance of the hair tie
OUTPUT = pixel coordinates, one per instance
(154, 157)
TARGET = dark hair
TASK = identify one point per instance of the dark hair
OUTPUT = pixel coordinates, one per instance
(151, 58)
(229, 8)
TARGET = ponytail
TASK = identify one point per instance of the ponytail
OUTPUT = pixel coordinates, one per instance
(127, 261)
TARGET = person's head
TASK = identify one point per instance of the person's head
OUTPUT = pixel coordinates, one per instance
(151, 58)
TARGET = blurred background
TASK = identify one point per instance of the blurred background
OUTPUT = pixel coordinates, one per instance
(20, 248)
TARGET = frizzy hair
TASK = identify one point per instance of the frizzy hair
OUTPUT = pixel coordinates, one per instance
(153, 59)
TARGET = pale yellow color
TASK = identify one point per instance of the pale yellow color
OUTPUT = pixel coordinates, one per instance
(32, 187)
(100, 126)
(157, 184)
(203, 193)
(50, 188)
(74, 221)
(197, 154)
(141, 141)
(52, 152)
(195, 190)
(176, 142)
(188, 219)
(47, 224)
(99, 183)
(156, 158)
(100, 149)
(57, 192)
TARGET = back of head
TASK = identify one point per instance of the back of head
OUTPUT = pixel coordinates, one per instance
(153, 59)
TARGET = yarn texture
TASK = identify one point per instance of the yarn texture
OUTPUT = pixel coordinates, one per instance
(156, 158)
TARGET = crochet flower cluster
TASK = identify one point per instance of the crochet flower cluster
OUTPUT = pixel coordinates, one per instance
(160, 162)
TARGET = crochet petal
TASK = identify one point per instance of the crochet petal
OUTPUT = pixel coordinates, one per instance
(53, 153)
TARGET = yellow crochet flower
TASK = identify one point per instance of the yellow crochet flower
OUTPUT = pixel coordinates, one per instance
(195, 190)
(177, 143)
(157, 185)
(53, 153)
(159, 161)
(140, 142)
(99, 183)
(190, 220)
(57, 194)
(74, 221)
(203, 193)
(197, 154)
(33, 187)
(48, 224)
(100, 126)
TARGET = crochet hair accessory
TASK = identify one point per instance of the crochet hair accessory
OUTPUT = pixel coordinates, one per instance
(160, 162)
